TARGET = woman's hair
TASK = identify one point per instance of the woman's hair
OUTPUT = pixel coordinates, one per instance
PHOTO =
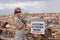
(16, 10)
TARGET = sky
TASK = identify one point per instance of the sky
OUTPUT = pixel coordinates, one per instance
(30, 6)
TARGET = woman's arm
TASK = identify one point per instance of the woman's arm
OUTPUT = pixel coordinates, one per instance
(19, 26)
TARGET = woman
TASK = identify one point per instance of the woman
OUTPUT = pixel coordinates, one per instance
(19, 23)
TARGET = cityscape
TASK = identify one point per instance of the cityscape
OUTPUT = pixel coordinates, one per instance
(52, 22)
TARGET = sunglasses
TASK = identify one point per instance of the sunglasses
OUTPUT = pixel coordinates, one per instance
(18, 12)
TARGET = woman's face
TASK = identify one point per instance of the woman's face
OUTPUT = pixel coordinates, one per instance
(18, 13)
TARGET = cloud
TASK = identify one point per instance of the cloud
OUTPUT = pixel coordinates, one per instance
(30, 6)
(26, 6)
(53, 6)
(13, 1)
(1, 7)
